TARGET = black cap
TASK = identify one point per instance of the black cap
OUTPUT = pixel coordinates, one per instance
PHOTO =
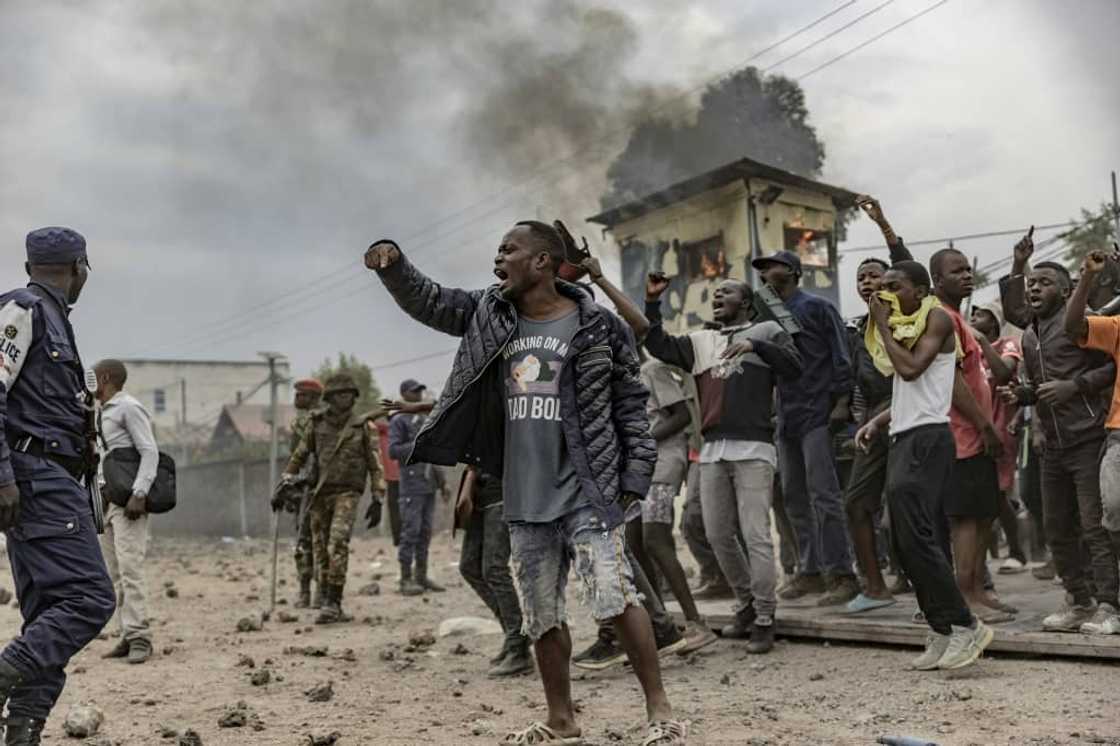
(55, 245)
(787, 258)
(410, 385)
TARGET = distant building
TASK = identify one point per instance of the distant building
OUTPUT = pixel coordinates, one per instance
(708, 228)
(241, 425)
(186, 398)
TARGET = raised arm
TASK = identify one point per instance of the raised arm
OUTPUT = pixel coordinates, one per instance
(1076, 326)
(874, 210)
(665, 347)
(1013, 288)
(448, 310)
(626, 307)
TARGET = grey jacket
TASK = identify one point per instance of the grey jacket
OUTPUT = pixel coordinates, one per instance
(1050, 355)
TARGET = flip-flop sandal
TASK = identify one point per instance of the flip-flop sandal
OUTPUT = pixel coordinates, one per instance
(666, 733)
(539, 733)
(866, 603)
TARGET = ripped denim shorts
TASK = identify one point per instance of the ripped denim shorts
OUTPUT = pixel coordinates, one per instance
(541, 555)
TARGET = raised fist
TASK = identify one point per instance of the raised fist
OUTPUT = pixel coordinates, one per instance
(656, 284)
(382, 255)
(871, 207)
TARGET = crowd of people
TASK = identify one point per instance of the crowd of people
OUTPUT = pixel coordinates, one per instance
(906, 441)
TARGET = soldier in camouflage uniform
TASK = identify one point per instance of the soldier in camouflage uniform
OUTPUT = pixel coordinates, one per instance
(308, 393)
(345, 448)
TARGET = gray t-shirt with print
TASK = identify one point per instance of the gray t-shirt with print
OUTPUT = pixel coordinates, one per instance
(540, 482)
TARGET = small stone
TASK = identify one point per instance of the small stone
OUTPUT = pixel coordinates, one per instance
(168, 649)
(261, 677)
(320, 692)
(421, 638)
(372, 589)
(482, 728)
(254, 623)
(166, 731)
(725, 680)
(962, 694)
(83, 721)
(5, 596)
(328, 740)
(246, 661)
(348, 655)
(285, 617)
(460, 649)
(172, 592)
(386, 655)
(816, 677)
(189, 738)
(310, 651)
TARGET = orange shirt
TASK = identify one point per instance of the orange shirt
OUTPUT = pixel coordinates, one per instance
(1104, 335)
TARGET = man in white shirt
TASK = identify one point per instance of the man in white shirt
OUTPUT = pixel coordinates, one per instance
(124, 423)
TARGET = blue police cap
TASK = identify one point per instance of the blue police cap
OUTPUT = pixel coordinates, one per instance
(55, 245)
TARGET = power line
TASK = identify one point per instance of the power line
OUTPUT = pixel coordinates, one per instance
(873, 39)
(965, 237)
(828, 36)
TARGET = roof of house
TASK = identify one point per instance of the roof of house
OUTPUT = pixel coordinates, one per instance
(741, 169)
(250, 421)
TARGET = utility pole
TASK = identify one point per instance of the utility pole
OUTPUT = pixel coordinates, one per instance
(183, 419)
(273, 454)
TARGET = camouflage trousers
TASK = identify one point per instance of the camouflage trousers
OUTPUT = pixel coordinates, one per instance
(304, 554)
(332, 521)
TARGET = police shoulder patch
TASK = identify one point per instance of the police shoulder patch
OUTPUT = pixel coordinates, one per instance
(10, 331)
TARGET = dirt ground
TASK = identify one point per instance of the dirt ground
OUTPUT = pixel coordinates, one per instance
(386, 692)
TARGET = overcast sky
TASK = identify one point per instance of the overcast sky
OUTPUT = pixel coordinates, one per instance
(229, 162)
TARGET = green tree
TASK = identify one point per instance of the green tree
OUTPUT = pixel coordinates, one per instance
(1095, 231)
(369, 393)
(743, 115)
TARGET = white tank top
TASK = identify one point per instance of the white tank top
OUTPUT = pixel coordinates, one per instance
(927, 400)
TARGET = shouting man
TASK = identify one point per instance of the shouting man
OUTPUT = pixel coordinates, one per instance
(545, 391)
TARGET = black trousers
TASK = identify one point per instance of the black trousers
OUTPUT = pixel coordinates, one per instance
(484, 564)
(394, 500)
(919, 470)
(1071, 515)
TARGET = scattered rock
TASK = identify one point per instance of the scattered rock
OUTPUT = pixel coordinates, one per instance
(387, 655)
(287, 617)
(172, 592)
(98, 741)
(166, 731)
(311, 651)
(253, 623)
(5, 596)
(348, 655)
(422, 638)
(460, 649)
(816, 676)
(83, 721)
(189, 738)
(373, 589)
(725, 680)
(238, 716)
(468, 625)
(482, 728)
(246, 661)
(261, 677)
(963, 694)
(320, 692)
(168, 649)
(328, 740)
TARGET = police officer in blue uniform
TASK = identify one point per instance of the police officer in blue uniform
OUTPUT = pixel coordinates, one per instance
(65, 594)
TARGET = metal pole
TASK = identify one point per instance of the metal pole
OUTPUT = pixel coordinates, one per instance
(273, 454)
(241, 498)
(183, 419)
(1115, 207)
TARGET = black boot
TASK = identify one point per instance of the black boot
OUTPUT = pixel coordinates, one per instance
(304, 601)
(762, 639)
(408, 588)
(501, 653)
(741, 628)
(517, 660)
(23, 731)
(424, 581)
(331, 610)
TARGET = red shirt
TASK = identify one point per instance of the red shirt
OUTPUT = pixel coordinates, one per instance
(388, 464)
(969, 440)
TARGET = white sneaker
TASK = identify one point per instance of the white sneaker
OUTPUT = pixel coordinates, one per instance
(1070, 618)
(1105, 622)
(966, 645)
(936, 644)
(1012, 566)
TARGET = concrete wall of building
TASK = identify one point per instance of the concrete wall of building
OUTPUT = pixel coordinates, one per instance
(662, 240)
(209, 386)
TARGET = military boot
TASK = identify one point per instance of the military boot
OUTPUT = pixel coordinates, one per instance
(517, 660)
(424, 581)
(23, 731)
(331, 610)
(342, 615)
(409, 588)
(304, 601)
